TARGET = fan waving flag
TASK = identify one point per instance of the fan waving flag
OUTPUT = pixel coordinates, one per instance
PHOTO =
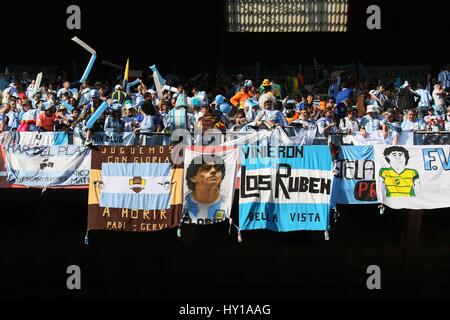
(125, 75)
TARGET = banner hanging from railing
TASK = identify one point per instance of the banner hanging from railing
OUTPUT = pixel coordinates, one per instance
(413, 177)
(210, 174)
(34, 138)
(134, 189)
(354, 176)
(285, 188)
(48, 166)
(107, 138)
(404, 138)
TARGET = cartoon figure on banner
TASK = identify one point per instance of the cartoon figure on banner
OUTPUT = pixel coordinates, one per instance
(399, 180)
(204, 202)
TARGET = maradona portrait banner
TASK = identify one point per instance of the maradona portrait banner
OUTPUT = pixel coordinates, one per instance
(134, 189)
(285, 188)
(210, 174)
(413, 177)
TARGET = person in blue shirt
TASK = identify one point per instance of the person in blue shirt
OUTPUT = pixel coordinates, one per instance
(345, 93)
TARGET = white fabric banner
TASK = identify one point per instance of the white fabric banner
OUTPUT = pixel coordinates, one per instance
(48, 166)
(413, 177)
(34, 138)
(405, 138)
(107, 138)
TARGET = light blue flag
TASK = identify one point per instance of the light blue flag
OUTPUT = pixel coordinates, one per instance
(155, 70)
(354, 176)
(285, 188)
(140, 186)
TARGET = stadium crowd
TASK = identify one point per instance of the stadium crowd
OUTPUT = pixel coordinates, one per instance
(343, 105)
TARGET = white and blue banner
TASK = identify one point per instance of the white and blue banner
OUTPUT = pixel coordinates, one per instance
(405, 138)
(142, 186)
(34, 138)
(107, 138)
(354, 176)
(285, 188)
(48, 166)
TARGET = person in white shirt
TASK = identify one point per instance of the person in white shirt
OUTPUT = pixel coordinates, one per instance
(350, 123)
(370, 123)
(439, 98)
(425, 100)
(412, 123)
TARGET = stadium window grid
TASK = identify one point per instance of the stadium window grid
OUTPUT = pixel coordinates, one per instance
(287, 15)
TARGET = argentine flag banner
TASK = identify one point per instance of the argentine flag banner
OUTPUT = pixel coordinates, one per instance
(134, 189)
(285, 188)
(136, 185)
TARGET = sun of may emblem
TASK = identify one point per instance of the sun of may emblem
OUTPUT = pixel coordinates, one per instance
(137, 184)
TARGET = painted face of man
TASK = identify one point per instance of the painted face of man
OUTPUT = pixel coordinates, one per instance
(209, 175)
(397, 160)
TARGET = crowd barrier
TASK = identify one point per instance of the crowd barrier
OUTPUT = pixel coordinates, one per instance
(199, 138)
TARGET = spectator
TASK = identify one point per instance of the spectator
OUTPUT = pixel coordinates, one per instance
(350, 124)
(412, 123)
(370, 123)
(46, 119)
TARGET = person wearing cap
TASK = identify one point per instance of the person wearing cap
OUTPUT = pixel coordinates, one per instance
(350, 123)
(46, 119)
(119, 94)
(251, 108)
(239, 98)
(267, 87)
(130, 121)
(27, 117)
(371, 122)
(178, 117)
(114, 122)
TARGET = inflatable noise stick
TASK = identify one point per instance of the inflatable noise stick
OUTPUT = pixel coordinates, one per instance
(91, 61)
(132, 84)
(94, 117)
